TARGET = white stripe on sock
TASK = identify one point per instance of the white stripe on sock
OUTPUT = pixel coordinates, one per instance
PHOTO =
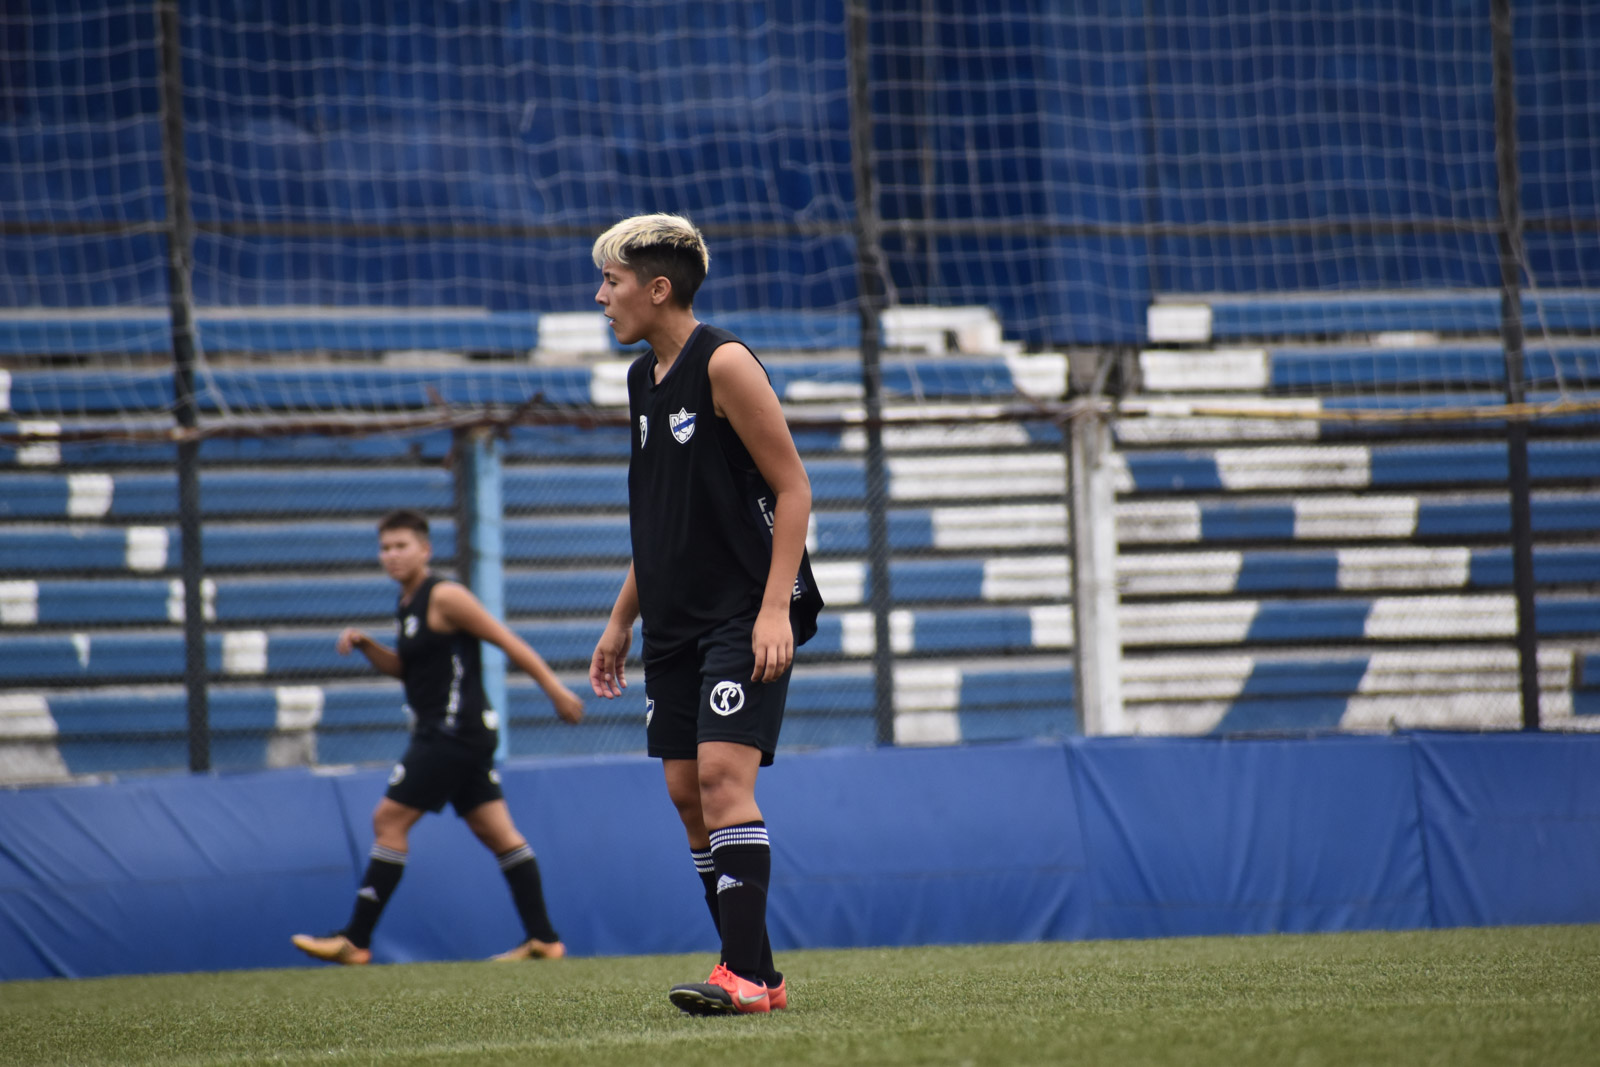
(739, 835)
(517, 855)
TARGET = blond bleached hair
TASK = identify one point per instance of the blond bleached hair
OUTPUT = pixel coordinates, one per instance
(658, 246)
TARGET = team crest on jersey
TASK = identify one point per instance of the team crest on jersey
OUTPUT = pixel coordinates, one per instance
(727, 698)
(644, 429)
(682, 425)
(411, 625)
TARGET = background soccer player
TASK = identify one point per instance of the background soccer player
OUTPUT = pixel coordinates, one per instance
(451, 754)
(718, 507)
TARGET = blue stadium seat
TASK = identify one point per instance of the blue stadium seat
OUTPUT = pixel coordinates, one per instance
(112, 656)
(590, 592)
(44, 394)
(1477, 365)
(1243, 316)
(149, 333)
(1462, 463)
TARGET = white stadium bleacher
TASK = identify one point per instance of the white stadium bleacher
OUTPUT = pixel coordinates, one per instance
(1286, 573)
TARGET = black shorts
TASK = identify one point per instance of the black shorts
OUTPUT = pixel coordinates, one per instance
(436, 770)
(703, 692)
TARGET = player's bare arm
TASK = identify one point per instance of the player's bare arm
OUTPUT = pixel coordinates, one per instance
(384, 659)
(611, 652)
(743, 395)
(453, 607)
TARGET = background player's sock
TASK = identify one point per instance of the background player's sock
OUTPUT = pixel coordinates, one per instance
(707, 870)
(527, 892)
(743, 858)
(384, 868)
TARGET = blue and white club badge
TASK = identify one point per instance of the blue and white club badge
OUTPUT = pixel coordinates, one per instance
(682, 425)
(644, 429)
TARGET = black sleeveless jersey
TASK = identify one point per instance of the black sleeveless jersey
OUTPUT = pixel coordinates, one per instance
(699, 512)
(443, 674)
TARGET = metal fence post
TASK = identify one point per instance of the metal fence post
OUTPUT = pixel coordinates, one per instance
(1511, 335)
(1092, 501)
(869, 264)
(180, 302)
(480, 556)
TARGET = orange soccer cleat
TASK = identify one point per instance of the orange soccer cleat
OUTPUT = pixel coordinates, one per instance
(724, 993)
(335, 948)
(533, 949)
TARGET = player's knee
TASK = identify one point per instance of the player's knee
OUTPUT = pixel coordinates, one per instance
(390, 825)
(689, 813)
(721, 788)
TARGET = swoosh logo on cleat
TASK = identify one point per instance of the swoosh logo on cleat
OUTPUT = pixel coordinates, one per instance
(752, 1000)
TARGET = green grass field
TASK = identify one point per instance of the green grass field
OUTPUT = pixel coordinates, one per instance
(1525, 995)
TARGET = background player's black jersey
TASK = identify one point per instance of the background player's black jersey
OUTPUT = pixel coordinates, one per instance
(700, 513)
(443, 674)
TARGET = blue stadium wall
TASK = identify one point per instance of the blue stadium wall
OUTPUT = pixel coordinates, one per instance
(1128, 838)
(1118, 114)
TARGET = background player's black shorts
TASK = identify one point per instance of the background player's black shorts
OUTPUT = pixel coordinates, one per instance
(436, 770)
(703, 692)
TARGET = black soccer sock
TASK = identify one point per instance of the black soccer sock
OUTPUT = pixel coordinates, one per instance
(743, 859)
(384, 868)
(707, 870)
(527, 891)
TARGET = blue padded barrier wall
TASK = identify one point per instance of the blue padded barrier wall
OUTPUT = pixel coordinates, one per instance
(165, 874)
(920, 846)
(1513, 828)
(1193, 837)
(1089, 838)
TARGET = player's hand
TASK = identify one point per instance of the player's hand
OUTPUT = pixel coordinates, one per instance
(772, 641)
(568, 705)
(606, 668)
(350, 639)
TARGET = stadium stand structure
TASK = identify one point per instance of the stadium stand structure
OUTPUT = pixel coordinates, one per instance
(1290, 573)
(1352, 572)
(93, 607)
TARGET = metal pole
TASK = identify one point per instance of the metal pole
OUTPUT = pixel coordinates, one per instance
(483, 566)
(180, 300)
(1510, 239)
(869, 265)
(1092, 496)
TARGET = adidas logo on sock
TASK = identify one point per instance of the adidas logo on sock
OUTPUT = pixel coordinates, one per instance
(366, 892)
(727, 881)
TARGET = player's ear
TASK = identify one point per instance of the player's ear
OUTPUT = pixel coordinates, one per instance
(660, 289)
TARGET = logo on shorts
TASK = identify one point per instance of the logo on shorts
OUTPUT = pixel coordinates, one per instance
(727, 698)
(682, 425)
(411, 625)
(649, 710)
(494, 776)
(397, 775)
(644, 429)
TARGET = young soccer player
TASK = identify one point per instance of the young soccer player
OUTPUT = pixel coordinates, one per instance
(718, 507)
(451, 754)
